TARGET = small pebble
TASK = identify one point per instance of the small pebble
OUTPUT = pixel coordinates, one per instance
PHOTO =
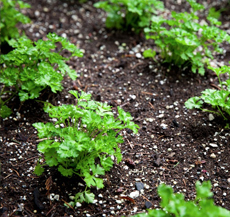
(139, 186)
(148, 204)
(46, 9)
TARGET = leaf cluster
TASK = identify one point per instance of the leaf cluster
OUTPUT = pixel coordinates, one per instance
(82, 138)
(174, 205)
(128, 14)
(33, 66)
(218, 99)
(184, 41)
(10, 16)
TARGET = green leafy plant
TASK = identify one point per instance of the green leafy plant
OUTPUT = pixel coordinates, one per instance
(218, 99)
(82, 139)
(184, 41)
(174, 205)
(10, 16)
(33, 66)
(129, 14)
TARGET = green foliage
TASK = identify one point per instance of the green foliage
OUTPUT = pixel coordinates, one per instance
(129, 14)
(10, 16)
(183, 41)
(5, 111)
(218, 99)
(84, 196)
(174, 205)
(82, 138)
(33, 66)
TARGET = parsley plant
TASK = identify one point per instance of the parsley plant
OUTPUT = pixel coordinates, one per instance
(10, 16)
(129, 14)
(174, 204)
(79, 136)
(218, 99)
(33, 66)
(184, 41)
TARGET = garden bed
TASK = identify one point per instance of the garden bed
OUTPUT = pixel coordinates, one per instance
(174, 145)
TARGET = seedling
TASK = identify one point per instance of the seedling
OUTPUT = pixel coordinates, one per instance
(129, 14)
(183, 41)
(218, 99)
(34, 66)
(10, 16)
(175, 205)
(82, 139)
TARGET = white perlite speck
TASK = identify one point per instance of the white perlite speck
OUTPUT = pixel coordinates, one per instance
(213, 155)
(161, 116)
(133, 97)
(134, 210)
(211, 117)
(134, 194)
(78, 204)
(214, 145)
(138, 55)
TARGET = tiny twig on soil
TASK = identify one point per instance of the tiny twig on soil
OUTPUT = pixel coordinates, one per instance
(148, 93)
(28, 211)
(7, 176)
(160, 136)
(75, 86)
(127, 103)
(213, 85)
(145, 198)
(40, 140)
(79, 83)
(52, 209)
(151, 105)
(13, 212)
(130, 144)
(68, 204)
(184, 182)
(16, 172)
(13, 140)
(138, 64)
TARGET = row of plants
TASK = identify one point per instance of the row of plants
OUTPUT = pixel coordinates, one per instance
(84, 138)
(184, 42)
(181, 40)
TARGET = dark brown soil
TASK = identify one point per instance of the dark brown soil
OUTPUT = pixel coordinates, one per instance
(174, 144)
